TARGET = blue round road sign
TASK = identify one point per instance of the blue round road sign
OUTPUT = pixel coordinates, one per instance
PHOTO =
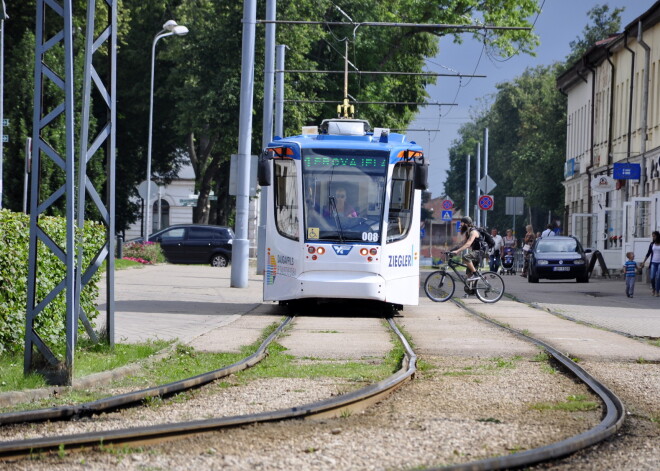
(486, 202)
(447, 204)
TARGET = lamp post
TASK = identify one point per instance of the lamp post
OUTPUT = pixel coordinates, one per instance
(170, 28)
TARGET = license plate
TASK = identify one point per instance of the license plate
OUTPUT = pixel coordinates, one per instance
(561, 268)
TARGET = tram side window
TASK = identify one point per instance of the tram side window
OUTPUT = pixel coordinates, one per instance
(286, 198)
(401, 202)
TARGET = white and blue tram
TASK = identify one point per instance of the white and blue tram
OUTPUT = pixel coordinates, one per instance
(343, 218)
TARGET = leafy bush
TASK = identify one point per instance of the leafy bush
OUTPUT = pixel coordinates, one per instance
(14, 256)
(148, 252)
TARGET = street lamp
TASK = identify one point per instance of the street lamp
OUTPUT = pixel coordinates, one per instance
(170, 28)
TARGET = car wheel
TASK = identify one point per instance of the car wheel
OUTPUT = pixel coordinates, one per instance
(532, 279)
(219, 260)
(582, 279)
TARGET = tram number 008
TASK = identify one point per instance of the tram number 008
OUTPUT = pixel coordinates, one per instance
(370, 236)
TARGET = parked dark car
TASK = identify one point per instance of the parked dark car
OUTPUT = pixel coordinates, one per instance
(558, 258)
(195, 243)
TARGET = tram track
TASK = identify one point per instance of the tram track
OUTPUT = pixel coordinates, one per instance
(609, 425)
(134, 398)
(340, 406)
(332, 407)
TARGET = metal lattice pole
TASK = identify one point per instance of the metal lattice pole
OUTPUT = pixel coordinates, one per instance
(88, 151)
(37, 301)
(41, 243)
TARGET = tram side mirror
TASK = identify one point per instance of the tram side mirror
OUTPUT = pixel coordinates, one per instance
(421, 176)
(264, 173)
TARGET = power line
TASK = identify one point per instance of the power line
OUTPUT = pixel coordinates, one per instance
(362, 72)
(373, 102)
(399, 25)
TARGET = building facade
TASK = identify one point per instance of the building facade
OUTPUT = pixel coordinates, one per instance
(612, 169)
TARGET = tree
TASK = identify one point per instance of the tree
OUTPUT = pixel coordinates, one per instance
(603, 24)
(197, 82)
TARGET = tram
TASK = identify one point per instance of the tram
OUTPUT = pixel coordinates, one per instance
(343, 219)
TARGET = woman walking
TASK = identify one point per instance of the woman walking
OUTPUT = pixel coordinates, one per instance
(654, 254)
(528, 241)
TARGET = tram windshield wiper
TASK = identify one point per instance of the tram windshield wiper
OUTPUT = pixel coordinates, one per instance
(335, 213)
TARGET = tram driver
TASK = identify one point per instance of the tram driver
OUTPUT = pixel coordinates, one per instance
(343, 207)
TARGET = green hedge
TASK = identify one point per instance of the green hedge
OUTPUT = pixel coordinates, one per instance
(14, 253)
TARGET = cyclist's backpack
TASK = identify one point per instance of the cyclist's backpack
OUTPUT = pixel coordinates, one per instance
(487, 241)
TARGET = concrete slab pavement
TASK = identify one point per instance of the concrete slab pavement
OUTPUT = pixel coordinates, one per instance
(600, 302)
(184, 302)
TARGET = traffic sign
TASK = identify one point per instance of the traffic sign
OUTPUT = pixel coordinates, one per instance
(446, 215)
(188, 202)
(487, 184)
(447, 204)
(5, 138)
(486, 202)
(514, 206)
(5, 122)
(153, 190)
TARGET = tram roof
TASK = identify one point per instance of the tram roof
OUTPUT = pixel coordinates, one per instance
(364, 142)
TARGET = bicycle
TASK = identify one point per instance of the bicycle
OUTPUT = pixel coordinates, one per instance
(440, 285)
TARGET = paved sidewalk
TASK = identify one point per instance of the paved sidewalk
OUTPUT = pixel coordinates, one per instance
(184, 302)
(600, 302)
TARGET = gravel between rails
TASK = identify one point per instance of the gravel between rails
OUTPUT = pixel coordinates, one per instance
(462, 409)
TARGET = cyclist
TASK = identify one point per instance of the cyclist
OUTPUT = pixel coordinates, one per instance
(473, 244)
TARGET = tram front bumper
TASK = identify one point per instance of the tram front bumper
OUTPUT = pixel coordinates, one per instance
(343, 285)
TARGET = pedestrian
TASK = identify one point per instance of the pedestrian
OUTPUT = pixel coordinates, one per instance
(528, 241)
(494, 253)
(630, 269)
(654, 254)
(509, 240)
(549, 232)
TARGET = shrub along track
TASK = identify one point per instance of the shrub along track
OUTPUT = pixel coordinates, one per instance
(343, 404)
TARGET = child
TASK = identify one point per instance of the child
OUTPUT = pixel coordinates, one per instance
(630, 268)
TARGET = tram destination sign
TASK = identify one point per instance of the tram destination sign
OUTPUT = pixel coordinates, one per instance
(321, 161)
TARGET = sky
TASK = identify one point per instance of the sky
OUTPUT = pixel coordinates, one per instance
(560, 22)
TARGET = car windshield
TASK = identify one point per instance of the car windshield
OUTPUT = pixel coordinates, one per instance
(557, 245)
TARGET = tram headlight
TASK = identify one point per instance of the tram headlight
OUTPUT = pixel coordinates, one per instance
(310, 249)
(373, 251)
(320, 250)
(364, 251)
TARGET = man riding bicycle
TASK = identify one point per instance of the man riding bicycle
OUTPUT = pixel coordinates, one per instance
(473, 244)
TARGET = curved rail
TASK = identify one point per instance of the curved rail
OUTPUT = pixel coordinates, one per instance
(145, 435)
(611, 422)
(131, 399)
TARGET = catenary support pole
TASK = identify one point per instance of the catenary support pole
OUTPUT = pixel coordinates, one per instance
(3, 17)
(486, 172)
(467, 186)
(241, 245)
(280, 52)
(477, 177)
(267, 131)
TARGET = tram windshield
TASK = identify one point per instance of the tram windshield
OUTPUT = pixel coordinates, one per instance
(344, 194)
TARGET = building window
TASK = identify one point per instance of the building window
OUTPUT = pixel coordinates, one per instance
(160, 217)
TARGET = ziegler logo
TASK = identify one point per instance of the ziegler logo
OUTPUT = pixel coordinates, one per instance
(400, 260)
(342, 249)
